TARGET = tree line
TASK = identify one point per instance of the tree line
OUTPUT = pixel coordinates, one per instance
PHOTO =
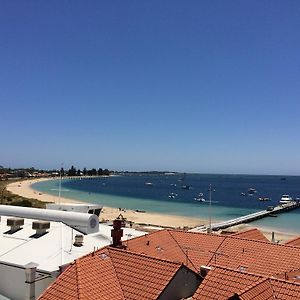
(85, 172)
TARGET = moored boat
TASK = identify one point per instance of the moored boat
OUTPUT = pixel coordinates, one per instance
(286, 199)
(264, 199)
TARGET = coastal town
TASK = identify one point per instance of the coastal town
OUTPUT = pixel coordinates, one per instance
(150, 150)
(48, 253)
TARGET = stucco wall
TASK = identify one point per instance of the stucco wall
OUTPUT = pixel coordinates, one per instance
(12, 282)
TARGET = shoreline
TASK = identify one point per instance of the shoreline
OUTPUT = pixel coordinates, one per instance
(139, 218)
(24, 188)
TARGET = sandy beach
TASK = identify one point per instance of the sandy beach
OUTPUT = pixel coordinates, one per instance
(23, 188)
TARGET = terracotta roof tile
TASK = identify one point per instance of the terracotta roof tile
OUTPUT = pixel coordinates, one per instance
(252, 234)
(256, 256)
(294, 242)
(192, 249)
(222, 283)
(272, 289)
(196, 249)
(112, 273)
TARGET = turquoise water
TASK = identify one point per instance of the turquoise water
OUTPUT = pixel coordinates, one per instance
(131, 192)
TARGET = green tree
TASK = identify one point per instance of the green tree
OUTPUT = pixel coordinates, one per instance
(106, 172)
(72, 171)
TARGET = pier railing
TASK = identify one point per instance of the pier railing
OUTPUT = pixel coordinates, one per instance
(249, 218)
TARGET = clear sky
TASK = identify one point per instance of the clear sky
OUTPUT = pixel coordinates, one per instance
(194, 86)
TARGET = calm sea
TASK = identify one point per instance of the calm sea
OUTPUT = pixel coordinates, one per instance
(151, 193)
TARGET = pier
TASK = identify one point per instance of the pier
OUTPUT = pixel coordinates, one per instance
(249, 218)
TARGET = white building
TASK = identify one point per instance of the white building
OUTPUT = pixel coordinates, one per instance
(43, 249)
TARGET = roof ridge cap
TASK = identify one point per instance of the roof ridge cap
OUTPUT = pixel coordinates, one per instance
(292, 240)
(284, 280)
(240, 272)
(252, 240)
(115, 271)
(143, 255)
(253, 285)
(240, 232)
(190, 232)
(78, 285)
(265, 242)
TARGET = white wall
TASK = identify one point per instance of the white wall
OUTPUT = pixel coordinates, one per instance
(12, 282)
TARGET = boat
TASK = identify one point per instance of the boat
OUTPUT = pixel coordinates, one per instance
(243, 194)
(200, 199)
(172, 195)
(149, 183)
(264, 199)
(273, 215)
(251, 191)
(286, 199)
(185, 186)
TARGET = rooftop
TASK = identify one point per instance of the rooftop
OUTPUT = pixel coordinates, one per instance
(224, 283)
(197, 249)
(127, 276)
(53, 249)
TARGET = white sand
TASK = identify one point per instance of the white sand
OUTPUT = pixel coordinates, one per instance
(23, 188)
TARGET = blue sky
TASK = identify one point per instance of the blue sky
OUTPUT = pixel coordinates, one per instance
(194, 86)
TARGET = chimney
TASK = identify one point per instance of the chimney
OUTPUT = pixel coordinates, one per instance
(30, 271)
(117, 233)
(273, 237)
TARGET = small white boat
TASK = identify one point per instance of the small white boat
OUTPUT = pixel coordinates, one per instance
(251, 191)
(149, 183)
(286, 199)
(201, 199)
(173, 195)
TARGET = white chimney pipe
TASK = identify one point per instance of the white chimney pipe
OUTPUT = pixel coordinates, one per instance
(30, 270)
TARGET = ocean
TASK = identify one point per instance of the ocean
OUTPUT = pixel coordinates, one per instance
(151, 193)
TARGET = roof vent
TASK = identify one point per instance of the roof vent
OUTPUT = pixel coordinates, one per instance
(78, 240)
(40, 227)
(15, 223)
(242, 268)
(204, 270)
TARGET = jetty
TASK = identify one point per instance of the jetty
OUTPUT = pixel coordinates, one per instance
(270, 211)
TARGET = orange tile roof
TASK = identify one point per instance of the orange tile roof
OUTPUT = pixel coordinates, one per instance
(196, 249)
(271, 289)
(111, 273)
(192, 249)
(251, 234)
(257, 257)
(222, 283)
(294, 242)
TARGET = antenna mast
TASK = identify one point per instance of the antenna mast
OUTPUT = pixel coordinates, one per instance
(209, 230)
(59, 184)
